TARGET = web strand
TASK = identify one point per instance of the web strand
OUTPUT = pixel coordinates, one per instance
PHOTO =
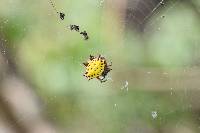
(154, 9)
(53, 5)
(172, 5)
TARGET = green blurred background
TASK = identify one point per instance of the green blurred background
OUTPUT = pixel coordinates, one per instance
(154, 48)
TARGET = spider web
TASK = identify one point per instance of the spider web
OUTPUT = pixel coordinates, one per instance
(148, 11)
(141, 11)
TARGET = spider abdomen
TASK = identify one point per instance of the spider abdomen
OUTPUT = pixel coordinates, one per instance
(96, 67)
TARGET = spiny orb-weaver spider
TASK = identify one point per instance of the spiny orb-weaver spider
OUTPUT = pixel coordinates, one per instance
(97, 67)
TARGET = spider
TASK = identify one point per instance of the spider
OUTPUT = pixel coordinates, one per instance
(97, 67)
(85, 35)
(74, 27)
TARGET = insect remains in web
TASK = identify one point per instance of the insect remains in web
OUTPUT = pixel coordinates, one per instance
(61, 14)
(85, 35)
(97, 67)
(74, 27)
(71, 26)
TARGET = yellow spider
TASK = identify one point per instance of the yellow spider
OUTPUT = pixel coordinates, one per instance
(96, 67)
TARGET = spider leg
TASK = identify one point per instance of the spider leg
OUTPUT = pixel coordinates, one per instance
(99, 79)
(108, 70)
(99, 56)
(85, 63)
(103, 77)
(102, 80)
(91, 57)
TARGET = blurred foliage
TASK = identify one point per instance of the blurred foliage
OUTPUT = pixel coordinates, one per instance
(50, 57)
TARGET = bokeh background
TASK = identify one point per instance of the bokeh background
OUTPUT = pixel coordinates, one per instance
(154, 47)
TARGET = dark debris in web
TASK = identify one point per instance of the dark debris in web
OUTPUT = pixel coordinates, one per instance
(72, 27)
